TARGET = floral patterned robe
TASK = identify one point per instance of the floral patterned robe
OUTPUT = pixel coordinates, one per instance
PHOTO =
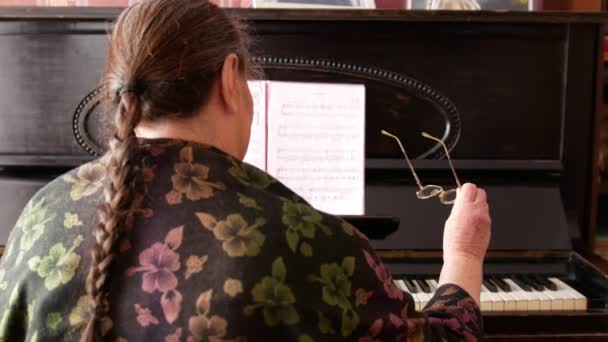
(219, 251)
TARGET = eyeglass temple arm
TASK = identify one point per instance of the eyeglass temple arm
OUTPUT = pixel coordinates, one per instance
(447, 153)
(409, 163)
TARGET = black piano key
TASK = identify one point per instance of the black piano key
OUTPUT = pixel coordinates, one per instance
(546, 283)
(423, 285)
(524, 286)
(490, 286)
(410, 286)
(532, 282)
(500, 283)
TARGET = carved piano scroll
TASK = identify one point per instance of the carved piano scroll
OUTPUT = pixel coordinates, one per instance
(401, 103)
(91, 124)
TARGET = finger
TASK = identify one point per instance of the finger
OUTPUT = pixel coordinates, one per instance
(481, 195)
(467, 193)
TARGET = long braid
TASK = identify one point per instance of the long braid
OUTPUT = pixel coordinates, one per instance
(174, 49)
(123, 170)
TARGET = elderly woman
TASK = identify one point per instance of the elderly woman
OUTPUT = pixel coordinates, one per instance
(170, 236)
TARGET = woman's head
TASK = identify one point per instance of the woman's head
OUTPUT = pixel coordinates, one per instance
(171, 63)
(182, 57)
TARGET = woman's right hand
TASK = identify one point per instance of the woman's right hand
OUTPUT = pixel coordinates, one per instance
(465, 240)
(467, 230)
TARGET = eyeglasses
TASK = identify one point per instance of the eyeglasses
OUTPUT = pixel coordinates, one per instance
(431, 190)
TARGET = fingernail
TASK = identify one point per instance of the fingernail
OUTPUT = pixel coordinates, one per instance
(468, 192)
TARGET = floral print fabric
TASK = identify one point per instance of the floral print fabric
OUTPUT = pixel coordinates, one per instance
(219, 251)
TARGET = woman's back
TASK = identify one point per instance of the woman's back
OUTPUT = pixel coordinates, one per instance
(218, 249)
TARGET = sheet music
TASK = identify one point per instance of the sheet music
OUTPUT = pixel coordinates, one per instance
(256, 152)
(316, 138)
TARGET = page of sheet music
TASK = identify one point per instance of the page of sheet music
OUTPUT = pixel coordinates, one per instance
(316, 138)
(256, 152)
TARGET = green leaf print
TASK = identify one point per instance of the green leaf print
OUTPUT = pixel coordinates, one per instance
(88, 181)
(305, 338)
(59, 266)
(250, 175)
(348, 228)
(348, 264)
(292, 239)
(274, 297)
(11, 310)
(336, 291)
(350, 320)
(31, 307)
(71, 220)
(278, 269)
(3, 283)
(306, 249)
(79, 313)
(237, 236)
(248, 201)
(53, 319)
(302, 222)
(324, 324)
(32, 224)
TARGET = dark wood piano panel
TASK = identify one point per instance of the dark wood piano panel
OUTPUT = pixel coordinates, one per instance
(497, 69)
(518, 92)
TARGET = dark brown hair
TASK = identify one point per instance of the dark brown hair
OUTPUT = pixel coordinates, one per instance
(163, 58)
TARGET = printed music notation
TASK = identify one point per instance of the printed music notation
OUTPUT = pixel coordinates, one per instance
(311, 137)
(316, 137)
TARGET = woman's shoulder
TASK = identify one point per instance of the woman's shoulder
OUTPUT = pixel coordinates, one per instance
(76, 184)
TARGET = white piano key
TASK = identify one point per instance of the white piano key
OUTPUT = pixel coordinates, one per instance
(521, 298)
(580, 301)
(401, 284)
(556, 298)
(545, 300)
(485, 303)
(435, 284)
(496, 301)
(510, 303)
(534, 300)
(424, 297)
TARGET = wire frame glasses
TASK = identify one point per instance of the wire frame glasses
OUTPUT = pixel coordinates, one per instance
(430, 190)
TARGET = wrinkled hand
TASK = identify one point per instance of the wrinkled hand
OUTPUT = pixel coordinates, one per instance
(467, 230)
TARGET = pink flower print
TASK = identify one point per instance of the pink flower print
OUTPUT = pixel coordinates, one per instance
(156, 150)
(374, 330)
(464, 310)
(158, 264)
(175, 337)
(148, 174)
(171, 302)
(144, 316)
(392, 291)
(395, 320)
(148, 212)
(362, 296)
(450, 323)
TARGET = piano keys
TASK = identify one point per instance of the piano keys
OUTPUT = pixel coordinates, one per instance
(560, 297)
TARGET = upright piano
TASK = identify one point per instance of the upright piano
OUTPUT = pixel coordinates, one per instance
(515, 96)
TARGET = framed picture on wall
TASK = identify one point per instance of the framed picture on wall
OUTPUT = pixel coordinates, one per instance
(488, 5)
(325, 4)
